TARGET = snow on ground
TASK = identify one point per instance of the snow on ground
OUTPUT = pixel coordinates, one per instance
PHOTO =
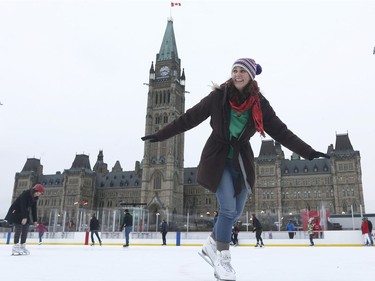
(171, 263)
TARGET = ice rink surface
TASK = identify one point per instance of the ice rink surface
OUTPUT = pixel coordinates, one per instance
(171, 263)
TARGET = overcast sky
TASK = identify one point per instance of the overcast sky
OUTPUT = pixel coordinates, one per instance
(72, 74)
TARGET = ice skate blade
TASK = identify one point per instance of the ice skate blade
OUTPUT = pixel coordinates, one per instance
(206, 258)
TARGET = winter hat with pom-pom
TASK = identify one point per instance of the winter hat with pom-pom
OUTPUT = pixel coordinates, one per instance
(249, 65)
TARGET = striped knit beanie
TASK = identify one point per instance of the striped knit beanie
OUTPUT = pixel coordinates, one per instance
(249, 65)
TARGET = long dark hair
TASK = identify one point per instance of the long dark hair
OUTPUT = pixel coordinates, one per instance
(249, 90)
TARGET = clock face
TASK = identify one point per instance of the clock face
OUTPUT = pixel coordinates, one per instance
(164, 70)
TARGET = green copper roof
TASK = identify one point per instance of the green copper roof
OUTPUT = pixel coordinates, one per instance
(168, 49)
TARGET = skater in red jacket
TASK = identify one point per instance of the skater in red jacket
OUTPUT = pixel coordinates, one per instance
(41, 228)
(365, 232)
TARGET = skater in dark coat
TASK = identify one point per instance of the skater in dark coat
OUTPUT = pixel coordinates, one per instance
(235, 232)
(94, 229)
(237, 110)
(19, 215)
(164, 231)
(128, 225)
(257, 228)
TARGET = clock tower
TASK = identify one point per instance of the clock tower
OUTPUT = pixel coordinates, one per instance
(163, 162)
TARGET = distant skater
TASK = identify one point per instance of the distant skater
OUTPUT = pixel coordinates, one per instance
(257, 228)
(291, 229)
(365, 232)
(310, 231)
(41, 228)
(127, 224)
(164, 231)
(94, 229)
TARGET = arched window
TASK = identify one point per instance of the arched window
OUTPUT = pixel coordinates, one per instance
(157, 181)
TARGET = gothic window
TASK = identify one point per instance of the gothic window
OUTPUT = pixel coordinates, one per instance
(153, 160)
(305, 170)
(296, 170)
(344, 207)
(315, 168)
(165, 119)
(163, 148)
(162, 160)
(355, 208)
(22, 183)
(169, 97)
(157, 181)
(267, 171)
(286, 171)
(345, 166)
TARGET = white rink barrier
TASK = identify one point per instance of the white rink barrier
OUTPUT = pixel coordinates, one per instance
(275, 238)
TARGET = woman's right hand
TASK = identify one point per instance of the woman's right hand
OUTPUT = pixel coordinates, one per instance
(24, 221)
(151, 138)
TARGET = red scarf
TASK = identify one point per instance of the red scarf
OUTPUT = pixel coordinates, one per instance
(254, 103)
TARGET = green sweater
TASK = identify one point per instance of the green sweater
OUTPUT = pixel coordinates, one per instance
(236, 126)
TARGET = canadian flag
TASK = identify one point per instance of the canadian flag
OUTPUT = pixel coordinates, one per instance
(175, 4)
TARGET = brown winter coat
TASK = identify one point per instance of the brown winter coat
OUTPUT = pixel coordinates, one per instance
(216, 149)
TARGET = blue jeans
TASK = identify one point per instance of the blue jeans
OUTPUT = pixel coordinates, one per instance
(40, 236)
(231, 206)
(128, 229)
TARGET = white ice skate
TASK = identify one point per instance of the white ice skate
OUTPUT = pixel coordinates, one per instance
(223, 269)
(24, 250)
(209, 251)
(16, 250)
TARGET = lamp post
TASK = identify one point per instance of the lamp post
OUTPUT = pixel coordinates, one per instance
(157, 222)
